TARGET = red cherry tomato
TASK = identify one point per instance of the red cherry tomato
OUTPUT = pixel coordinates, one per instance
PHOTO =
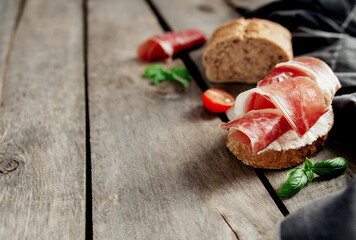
(217, 101)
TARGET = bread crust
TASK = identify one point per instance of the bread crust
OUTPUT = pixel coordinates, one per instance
(272, 159)
(246, 50)
(277, 159)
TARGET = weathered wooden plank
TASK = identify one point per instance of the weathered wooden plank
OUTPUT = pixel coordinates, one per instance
(174, 14)
(42, 126)
(246, 4)
(8, 12)
(159, 166)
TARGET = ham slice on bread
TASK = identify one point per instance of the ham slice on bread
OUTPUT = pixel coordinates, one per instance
(291, 99)
(258, 128)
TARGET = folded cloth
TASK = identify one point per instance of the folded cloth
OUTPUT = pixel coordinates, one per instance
(325, 29)
(332, 217)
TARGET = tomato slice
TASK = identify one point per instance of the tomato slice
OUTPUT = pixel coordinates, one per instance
(217, 101)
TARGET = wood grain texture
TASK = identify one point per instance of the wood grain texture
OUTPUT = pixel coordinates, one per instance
(42, 131)
(247, 4)
(160, 169)
(174, 15)
(8, 12)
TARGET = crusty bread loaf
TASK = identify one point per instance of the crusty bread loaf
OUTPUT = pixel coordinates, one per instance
(246, 50)
(287, 151)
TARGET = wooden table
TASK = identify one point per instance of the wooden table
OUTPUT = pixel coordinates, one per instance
(90, 149)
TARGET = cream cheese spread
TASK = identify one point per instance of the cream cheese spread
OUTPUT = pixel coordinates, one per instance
(291, 139)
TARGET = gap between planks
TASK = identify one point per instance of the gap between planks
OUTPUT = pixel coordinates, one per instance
(88, 183)
(9, 48)
(193, 70)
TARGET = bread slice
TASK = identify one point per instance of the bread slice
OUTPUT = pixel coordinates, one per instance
(289, 149)
(246, 50)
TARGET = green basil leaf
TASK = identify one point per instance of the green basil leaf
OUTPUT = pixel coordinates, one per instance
(158, 78)
(296, 180)
(159, 74)
(331, 168)
(310, 175)
(174, 77)
(308, 164)
(152, 70)
(291, 172)
(181, 71)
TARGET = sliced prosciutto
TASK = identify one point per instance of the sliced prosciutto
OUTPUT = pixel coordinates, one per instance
(258, 128)
(311, 67)
(282, 73)
(299, 100)
(165, 46)
(300, 91)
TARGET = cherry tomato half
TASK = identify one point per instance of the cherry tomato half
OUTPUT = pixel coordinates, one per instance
(217, 101)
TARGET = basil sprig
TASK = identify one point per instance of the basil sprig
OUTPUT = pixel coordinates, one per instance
(176, 74)
(297, 178)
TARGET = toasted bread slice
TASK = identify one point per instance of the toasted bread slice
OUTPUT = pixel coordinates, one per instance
(289, 149)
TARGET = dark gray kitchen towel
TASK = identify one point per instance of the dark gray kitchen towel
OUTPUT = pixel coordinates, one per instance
(332, 217)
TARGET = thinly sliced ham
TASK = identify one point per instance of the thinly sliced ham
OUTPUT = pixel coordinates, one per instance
(165, 46)
(300, 91)
(299, 99)
(258, 128)
(282, 73)
(318, 71)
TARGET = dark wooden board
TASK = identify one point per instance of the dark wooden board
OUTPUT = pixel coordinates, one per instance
(159, 166)
(42, 126)
(173, 14)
